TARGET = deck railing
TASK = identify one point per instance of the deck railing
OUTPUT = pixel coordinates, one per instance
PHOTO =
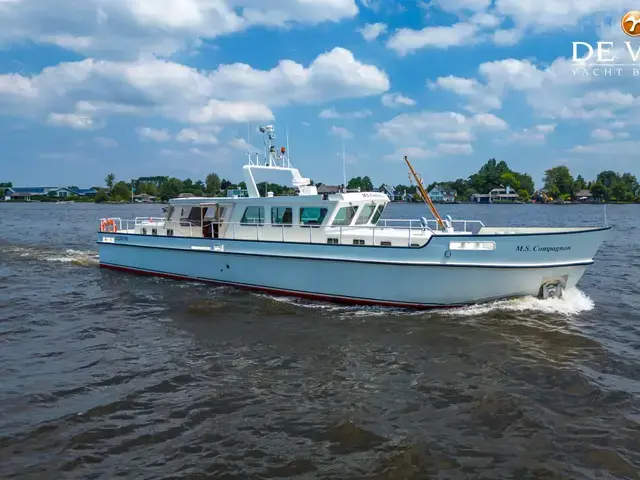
(415, 232)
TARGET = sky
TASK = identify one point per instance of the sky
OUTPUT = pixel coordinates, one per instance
(180, 87)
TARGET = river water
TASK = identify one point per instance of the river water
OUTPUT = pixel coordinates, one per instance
(110, 375)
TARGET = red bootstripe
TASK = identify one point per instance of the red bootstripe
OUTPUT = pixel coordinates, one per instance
(276, 291)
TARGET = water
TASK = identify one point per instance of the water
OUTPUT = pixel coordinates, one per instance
(106, 375)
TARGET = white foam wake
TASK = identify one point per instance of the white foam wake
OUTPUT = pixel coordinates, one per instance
(573, 302)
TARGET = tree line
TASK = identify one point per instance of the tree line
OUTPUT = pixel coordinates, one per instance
(608, 185)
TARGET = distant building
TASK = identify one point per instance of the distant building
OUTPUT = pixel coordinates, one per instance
(144, 198)
(395, 195)
(439, 194)
(237, 192)
(502, 195)
(28, 193)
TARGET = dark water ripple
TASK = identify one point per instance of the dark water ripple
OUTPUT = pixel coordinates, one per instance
(105, 375)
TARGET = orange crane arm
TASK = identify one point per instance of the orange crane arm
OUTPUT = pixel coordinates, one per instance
(425, 195)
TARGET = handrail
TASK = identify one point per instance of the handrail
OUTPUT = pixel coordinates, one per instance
(411, 233)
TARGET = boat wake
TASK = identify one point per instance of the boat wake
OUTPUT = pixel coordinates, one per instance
(573, 302)
(83, 258)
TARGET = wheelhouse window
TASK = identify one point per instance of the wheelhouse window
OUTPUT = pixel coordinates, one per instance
(253, 216)
(190, 216)
(281, 215)
(365, 214)
(377, 214)
(345, 216)
(312, 215)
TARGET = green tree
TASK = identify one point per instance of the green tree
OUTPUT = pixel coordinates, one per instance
(148, 188)
(121, 191)
(579, 184)
(510, 180)
(109, 180)
(171, 188)
(367, 184)
(225, 184)
(6, 185)
(559, 179)
(598, 190)
(213, 183)
(524, 195)
(101, 196)
(619, 192)
(608, 178)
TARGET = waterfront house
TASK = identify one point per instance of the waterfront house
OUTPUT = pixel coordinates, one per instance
(31, 193)
(500, 195)
(395, 195)
(439, 194)
(144, 198)
(585, 196)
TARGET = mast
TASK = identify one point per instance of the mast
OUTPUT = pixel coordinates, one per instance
(344, 167)
(425, 195)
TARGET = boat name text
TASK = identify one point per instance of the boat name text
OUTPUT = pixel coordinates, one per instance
(538, 248)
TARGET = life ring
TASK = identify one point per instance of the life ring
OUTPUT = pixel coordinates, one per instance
(106, 223)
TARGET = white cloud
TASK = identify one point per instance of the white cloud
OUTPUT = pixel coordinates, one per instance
(455, 148)
(507, 37)
(371, 31)
(486, 20)
(456, 6)
(242, 144)
(71, 120)
(189, 135)
(127, 27)
(489, 121)
(421, 128)
(393, 100)
(225, 112)
(602, 135)
(460, 136)
(529, 136)
(149, 86)
(332, 113)
(628, 149)
(413, 153)
(546, 14)
(479, 97)
(106, 142)
(154, 134)
(406, 40)
(340, 132)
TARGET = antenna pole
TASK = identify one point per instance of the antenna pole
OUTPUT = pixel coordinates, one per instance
(288, 157)
(344, 167)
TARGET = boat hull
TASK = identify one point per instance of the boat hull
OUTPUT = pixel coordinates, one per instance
(403, 277)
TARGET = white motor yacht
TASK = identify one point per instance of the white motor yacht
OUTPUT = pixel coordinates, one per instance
(336, 247)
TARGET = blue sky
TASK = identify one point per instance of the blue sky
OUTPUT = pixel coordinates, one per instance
(172, 87)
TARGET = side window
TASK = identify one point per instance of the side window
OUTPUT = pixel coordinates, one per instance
(281, 215)
(345, 216)
(312, 215)
(378, 214)
(253, 216)
(189, 216)
(365, 214)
